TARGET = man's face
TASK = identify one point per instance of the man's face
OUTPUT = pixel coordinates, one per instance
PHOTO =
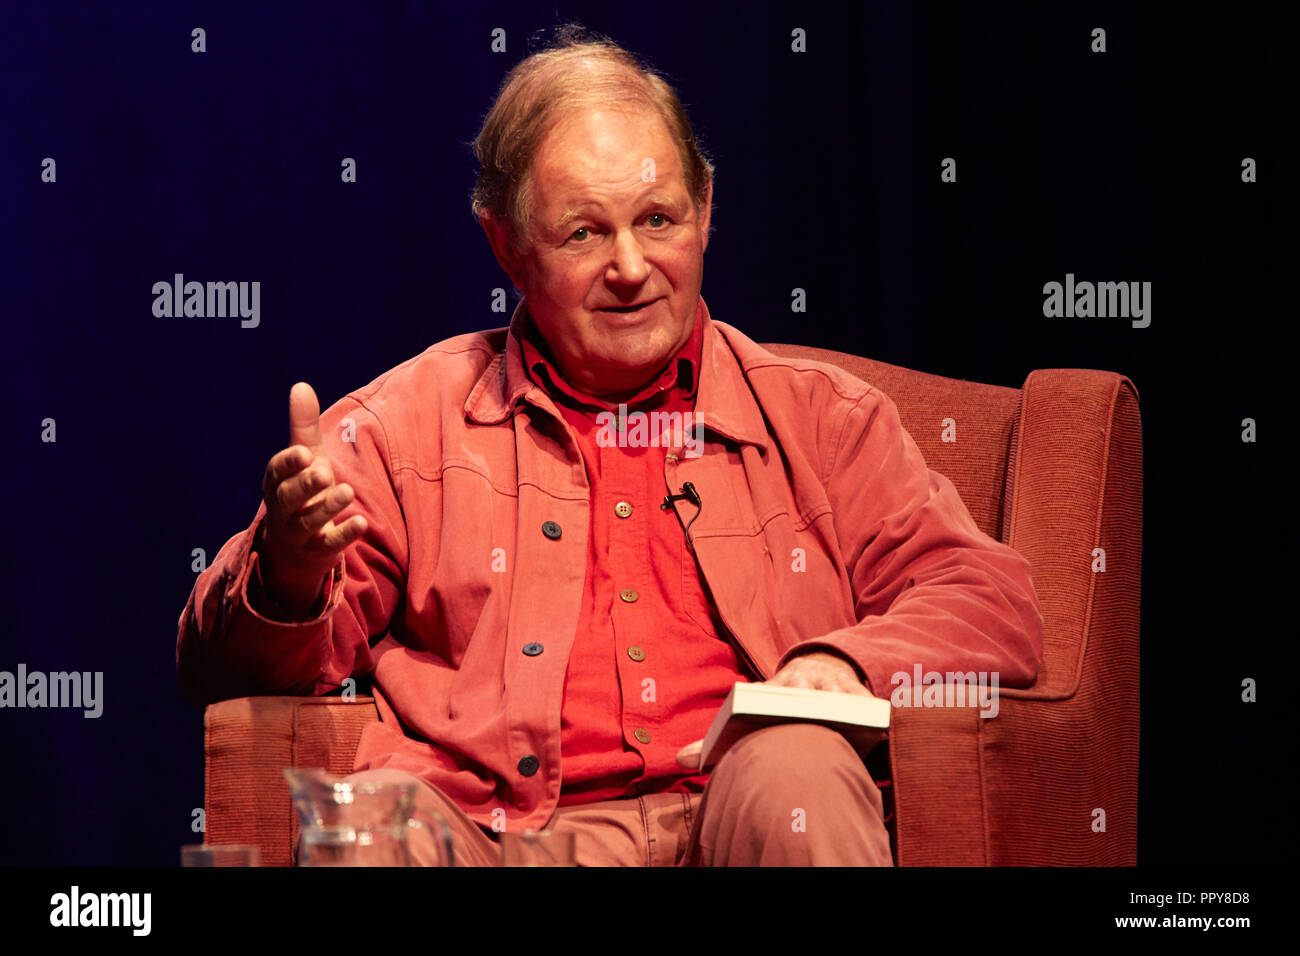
(612, 275)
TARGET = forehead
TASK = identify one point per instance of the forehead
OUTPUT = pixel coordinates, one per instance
(604, 149)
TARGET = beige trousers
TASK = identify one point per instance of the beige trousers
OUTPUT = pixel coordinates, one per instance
(788, 795)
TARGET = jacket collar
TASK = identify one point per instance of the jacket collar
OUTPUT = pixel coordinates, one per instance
(724, 403)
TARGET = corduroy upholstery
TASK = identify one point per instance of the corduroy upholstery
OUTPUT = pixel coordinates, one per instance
(1055, 470)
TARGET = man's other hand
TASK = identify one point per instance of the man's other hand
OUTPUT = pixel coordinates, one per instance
(821, 670)
(302, 543)
(816, 670)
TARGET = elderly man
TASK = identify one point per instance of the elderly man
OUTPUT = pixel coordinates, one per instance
(556, 547)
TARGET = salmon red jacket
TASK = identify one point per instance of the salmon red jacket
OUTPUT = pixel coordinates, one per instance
(821, 526)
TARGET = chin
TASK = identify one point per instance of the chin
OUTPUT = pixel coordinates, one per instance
(631, 356)
(625, 366)
(624, 371)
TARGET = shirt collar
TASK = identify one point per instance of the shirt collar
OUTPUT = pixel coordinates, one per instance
(724, 400)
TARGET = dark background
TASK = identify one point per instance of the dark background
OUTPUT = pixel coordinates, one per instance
(1122, 166)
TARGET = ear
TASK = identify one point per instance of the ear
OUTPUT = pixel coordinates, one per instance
(498, 233)
(706, 214)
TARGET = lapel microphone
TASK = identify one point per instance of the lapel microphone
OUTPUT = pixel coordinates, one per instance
(688, 494)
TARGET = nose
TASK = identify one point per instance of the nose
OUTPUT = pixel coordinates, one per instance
(628, 264)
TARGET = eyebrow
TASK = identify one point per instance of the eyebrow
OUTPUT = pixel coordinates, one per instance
(653, 198)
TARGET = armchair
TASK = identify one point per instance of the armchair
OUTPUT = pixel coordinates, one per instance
(1053, 468)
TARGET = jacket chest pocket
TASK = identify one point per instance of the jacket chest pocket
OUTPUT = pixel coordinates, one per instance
(776, 589)
(463, 562)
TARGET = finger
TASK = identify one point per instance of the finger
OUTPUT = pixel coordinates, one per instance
(337, 537)
(689, 756)
(321, 510)
(284, 464)
(834, 681)
(305, 489)
(304, 417)
(792, 677)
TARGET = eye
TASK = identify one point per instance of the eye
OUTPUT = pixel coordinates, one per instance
(657, 215)
(580, 233)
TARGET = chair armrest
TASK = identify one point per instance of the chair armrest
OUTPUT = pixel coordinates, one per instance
(1052, 779)
(247, 744)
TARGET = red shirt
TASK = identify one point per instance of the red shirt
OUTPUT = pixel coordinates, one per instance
(648, 670)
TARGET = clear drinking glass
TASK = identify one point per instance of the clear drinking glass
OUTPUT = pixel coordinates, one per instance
(368, 819)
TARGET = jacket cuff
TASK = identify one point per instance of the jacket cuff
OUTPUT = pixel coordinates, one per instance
(278, 651)
(253, 586)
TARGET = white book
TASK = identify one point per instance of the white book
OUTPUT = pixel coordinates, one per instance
(750, 706)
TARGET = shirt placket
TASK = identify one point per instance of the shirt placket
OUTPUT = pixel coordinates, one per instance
(634, 609)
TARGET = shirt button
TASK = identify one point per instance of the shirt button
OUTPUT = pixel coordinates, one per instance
(528, 765)
(628, 594)
(641, 735)
(636, 653)
(622, 509)
(551, 530)
(533, 649)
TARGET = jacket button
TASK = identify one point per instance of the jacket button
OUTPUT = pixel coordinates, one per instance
(636, 653)
(528, 765)
(641, 735)
(551, 530)
(628, 594)
(533, 649)
(623, 509)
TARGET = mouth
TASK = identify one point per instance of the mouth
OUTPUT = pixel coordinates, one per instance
(629, 309)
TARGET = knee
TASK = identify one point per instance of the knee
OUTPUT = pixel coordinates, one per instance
(792, 756)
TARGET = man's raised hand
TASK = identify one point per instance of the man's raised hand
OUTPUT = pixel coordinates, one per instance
(301, 543)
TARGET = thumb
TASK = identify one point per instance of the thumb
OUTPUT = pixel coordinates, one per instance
(304, 417)
(689, 756)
